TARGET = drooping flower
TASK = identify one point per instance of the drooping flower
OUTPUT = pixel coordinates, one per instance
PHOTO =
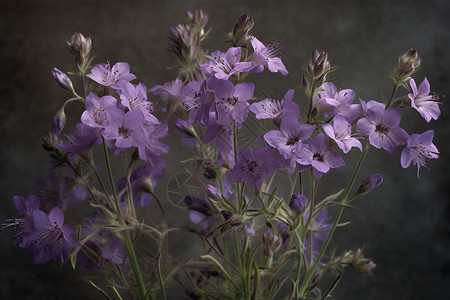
(288, 140)
(49, 238)
(95, 113)
(82, 139)
(422, 101)
(200, 210)
(267, 56)
(115, 77)
(316, 152)
(254, 165)
(382, 127)
(125, 128)
(341, 133)
(419, 147)
(274, 109)
(223, 65)
(135, 97)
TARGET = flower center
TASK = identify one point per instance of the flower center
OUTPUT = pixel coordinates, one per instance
(318, 157)
(380, 128)
(124, 132)
(292, 141)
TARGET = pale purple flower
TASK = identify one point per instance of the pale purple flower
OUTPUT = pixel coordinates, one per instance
(95, 113)
(419, 147)
(135, 97)
(200, 106)
(223, 65)
(422, 101)
(231, 101)
(330, 102)
(288, 140)
(316, 152)
(382, 127)
(341, 133)
(115, 77)
(254, 165)
(267, 56)
(275, 109)
(125, 128)
(49, 238)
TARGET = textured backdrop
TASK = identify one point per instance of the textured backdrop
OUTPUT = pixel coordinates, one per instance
(404, 225)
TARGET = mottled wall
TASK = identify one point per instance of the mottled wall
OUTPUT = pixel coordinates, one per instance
(403, 225)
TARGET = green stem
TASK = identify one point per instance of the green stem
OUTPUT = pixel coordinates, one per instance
(126, 235)
(311, 272)
(392, 95)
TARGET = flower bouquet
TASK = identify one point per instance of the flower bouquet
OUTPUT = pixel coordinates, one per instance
(260, 221)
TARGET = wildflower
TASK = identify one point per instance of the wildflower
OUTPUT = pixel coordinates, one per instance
(341, 133)
(288, 140)
(267, 56)
(81, 140)
(298, 203)
(422, 101)
(49, 237)
(95, 113)
(135, 97)
(274, 109)
(370, 183)
(125, 128)
(316, 152)
(115, 77)
(382, 127)
(223, 65)
(62, 79)
(240, 36)
(200, 210)
(231, 101)
(418, 148)
(254, 165)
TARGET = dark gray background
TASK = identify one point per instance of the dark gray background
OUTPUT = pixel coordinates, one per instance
(403, 225)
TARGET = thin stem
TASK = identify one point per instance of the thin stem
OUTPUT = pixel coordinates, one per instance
(392, 95)
(311, 272)
(126, 235)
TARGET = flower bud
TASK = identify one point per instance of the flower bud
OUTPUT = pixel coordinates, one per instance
(407, 64)
(80, 47)
(62, 79)
(370, 183)
(58, 122)
(239, 36)
(185, 127)
(319, 65)
(298, 203)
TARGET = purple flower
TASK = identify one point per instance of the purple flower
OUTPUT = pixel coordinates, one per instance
(231, 101)
(95, 113)
(422, 101)
(288, 140)
(51, 192)
(135, 97)
(200, 210)
(223, 65)
(254, 165)
(267, 56)
(25, 207)
(418, 148)
(316, 152)
(115, 77)
(49, 238)
(274, 109)
(330, 101)
(153, 148)
(82, 139)
(341, 133)
(382, 127)
(125, 128)
(200, 106)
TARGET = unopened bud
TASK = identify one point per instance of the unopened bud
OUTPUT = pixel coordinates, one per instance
(240, 36)
(62, 79)
(370, 183)
(318, 66)
(185, 127)
(362, 264)
(407, 64)
(80, 47)
(58, 122)
(298, 203)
